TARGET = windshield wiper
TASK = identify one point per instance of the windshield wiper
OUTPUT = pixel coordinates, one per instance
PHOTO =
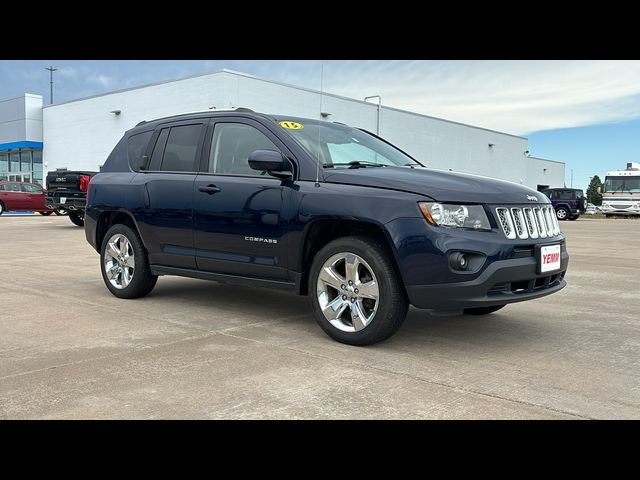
(354, 164)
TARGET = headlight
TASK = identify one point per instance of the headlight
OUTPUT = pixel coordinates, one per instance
(457, 216)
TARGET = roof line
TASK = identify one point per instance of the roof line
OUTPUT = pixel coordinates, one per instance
(275, 82)
(20, 96)
(547, 160)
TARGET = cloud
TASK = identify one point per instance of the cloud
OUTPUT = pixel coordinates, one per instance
(513, 96)
(99, 79)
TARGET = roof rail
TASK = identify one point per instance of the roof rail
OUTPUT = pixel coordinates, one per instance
(233, 109)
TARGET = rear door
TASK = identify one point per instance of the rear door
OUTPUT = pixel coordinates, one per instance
(166, 217)
(34, 197)
(13, 197)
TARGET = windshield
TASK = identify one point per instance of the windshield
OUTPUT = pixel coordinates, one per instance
(339, 146)
(622, 184)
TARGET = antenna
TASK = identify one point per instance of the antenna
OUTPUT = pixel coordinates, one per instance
(51, 69)
(318, 154)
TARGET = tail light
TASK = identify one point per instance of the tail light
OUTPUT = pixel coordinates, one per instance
(86, 188)
(84, 182)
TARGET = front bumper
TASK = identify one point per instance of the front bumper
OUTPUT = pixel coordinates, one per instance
(501, 282)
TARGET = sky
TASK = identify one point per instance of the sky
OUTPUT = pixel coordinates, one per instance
(585, 113)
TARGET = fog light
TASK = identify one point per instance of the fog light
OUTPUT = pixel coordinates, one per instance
(458, 261)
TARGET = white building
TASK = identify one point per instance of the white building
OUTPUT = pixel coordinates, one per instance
(80, 134)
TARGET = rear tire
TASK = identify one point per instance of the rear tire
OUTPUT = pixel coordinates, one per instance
(61, 211)
(46, 214)
(127, 253)
(379, 304)
(77, 218)
(482, 310)
(562, 213)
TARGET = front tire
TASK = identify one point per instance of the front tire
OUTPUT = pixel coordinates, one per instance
(124, 263)
(356, 294)
(482, 310)
(77, 218)
(562, 213)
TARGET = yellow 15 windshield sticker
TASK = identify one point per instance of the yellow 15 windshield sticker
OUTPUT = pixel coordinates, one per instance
(291, 125)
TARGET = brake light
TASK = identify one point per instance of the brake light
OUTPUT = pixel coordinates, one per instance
(87, 188)
(84, 182)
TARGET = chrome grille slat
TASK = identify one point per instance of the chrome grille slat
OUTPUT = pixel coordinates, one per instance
(532, 226)
(540, 222)
(504, 217)
(519, 223)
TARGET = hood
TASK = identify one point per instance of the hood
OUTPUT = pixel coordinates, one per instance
(440, 185)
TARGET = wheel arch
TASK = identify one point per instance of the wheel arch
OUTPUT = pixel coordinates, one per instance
(109, 218)
(320, 232)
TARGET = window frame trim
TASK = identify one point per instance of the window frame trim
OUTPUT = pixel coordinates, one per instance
(279, 143)
(154, 138)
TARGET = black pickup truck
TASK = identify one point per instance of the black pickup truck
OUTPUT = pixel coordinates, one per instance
(67, 190)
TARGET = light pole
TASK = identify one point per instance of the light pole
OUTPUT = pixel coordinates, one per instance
(51, 69)
(379, 103)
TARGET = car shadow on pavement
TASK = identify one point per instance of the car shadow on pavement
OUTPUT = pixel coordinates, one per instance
(504, 328)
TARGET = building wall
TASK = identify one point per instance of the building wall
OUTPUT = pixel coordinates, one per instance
(545, 172)
(21, 119)
(81, 134)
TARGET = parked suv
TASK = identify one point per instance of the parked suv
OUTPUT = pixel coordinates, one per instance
(22, 196)
(569, 203)
(319, 209)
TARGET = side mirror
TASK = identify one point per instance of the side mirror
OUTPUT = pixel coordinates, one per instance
(271, 162)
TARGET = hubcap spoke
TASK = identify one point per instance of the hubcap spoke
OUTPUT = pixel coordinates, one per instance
(358, 318)
(112, 250)
(330, 277)
(335, 308)
(368, 290)
(129, 261)
(351, 263)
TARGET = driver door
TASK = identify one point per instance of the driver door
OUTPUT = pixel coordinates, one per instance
(239, 225)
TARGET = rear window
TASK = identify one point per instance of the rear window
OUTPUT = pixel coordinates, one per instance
(136, 148)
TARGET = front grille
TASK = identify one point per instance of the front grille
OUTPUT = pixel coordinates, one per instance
(537, 222)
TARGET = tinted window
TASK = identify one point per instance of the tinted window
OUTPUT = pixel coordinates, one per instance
(29, 188)
(182, 146)
(547, 193)
(231, 146)
(158, 150)
(2, 186)
(137, 146)
(12, 187)
(566, 195)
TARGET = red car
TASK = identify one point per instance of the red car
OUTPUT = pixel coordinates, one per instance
(22, 196)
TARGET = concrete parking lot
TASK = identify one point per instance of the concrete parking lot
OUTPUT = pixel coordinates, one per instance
(196, 349)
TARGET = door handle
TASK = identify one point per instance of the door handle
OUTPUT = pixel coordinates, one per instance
(210, 189)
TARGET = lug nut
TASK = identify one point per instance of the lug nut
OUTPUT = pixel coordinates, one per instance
(344, 297)
(350, 282)
(353, 299)
(355, 291)
(343, 286)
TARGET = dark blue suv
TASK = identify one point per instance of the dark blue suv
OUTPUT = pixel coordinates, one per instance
(320, 209)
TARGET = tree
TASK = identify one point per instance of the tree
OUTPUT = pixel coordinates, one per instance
(592, 191)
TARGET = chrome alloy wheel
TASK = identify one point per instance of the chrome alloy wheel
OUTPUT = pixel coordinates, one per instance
(348, 292)
(119, 261)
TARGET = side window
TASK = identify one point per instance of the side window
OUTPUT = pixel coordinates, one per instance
(181, 149)
(136, 147)
(29, 188)
(13, 187)
(566, 195)
(158, 150)
(231, 146)
(1, 186)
